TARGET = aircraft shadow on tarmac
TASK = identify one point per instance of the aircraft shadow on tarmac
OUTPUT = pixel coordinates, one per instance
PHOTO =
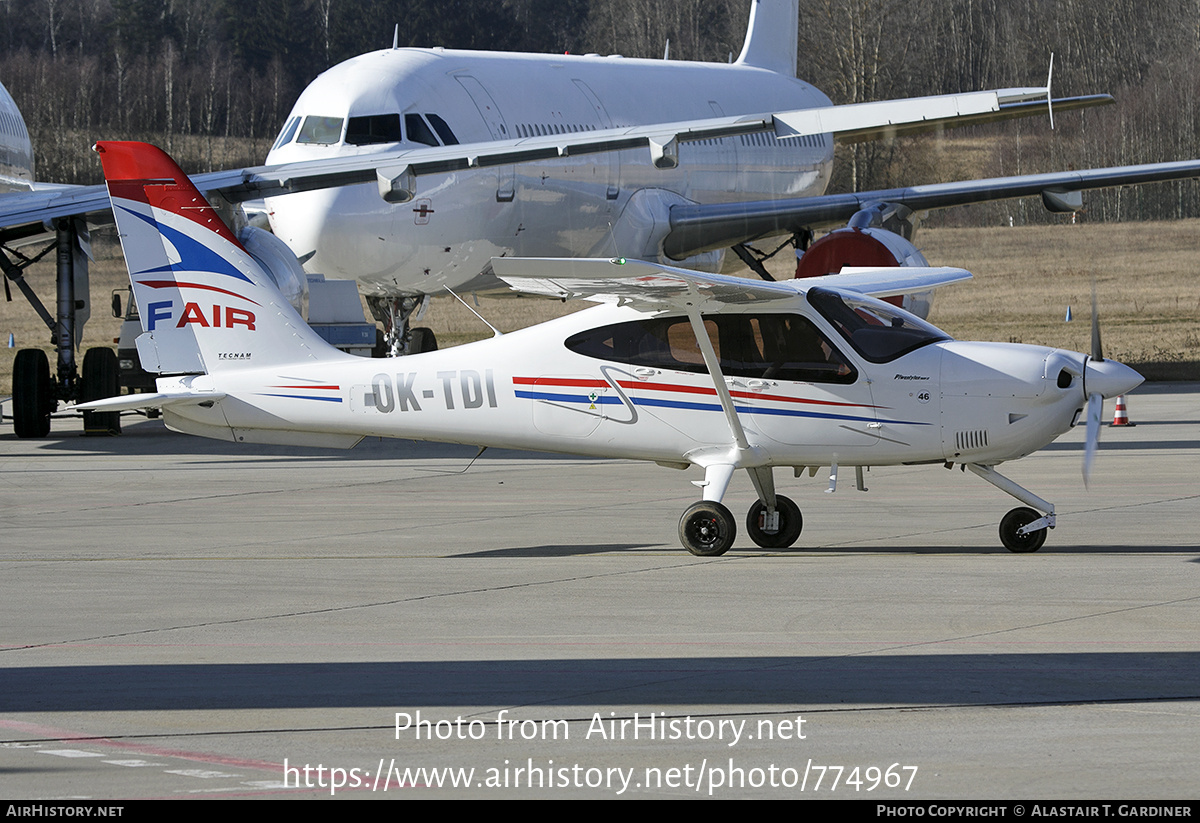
(814, 682)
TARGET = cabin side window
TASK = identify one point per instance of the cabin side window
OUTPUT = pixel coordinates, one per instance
(443, 130)
(765, 346)
(418, 130)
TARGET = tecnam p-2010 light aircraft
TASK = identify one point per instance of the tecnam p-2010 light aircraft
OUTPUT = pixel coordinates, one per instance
(410, 169)
(681, 368)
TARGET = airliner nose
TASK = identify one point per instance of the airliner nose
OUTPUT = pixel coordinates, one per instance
(1108, 378)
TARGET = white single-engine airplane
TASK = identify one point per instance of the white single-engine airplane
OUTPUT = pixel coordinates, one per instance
(681, 368)
(410, 169)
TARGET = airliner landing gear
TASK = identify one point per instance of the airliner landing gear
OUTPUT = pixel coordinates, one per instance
(399, 337)
(36, 391)
(33, 394)
(780, 535)
(101, 378)
(707, 529)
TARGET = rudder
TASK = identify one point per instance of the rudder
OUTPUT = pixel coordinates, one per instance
(205, 304)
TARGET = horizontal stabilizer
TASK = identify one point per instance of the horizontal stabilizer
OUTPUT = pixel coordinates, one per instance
(158, 400)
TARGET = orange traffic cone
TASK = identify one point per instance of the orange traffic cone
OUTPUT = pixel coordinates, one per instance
(1121, 416)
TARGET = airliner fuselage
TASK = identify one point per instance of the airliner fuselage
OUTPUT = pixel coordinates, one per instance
(597, 205)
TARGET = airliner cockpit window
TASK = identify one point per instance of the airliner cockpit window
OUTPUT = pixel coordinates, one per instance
(443, 130)
(374, 128)
(418, 131)
(323, 131)
(289, 131)
(878, 331)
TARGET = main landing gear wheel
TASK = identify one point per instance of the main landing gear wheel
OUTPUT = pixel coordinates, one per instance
(33, 394)
(707, 529)
(1021, 544)
(422, 340)
(790, 524)
(101, 379)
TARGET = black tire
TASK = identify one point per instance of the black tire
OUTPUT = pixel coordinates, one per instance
(33, 394)
(421, 340)
(707, 529)
(101, 379)
(1014, 542)
(790, 524)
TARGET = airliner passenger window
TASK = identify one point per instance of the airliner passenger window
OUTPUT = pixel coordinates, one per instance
(375, 128)
(765, 346)
(418, 131)
(323, 131)
(443, 130)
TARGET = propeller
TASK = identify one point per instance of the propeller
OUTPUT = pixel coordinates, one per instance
(1101, 378)
(1095, 405)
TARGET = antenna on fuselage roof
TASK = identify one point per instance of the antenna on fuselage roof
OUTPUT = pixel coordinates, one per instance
(396, 38)
(667, 50)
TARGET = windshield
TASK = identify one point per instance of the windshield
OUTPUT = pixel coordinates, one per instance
(878, 331)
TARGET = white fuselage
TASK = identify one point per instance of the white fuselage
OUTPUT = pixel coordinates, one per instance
(16, 150)
(948, 400)
(606, 204)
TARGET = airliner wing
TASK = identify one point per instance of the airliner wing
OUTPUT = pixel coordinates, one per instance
(653, 286)
(396, 171)
(25, 214)
(698, 228)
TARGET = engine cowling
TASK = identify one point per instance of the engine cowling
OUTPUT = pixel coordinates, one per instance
(869, 247)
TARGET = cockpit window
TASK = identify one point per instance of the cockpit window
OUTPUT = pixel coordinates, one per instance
(321, 130)
(289, 131)
(443, 130)
(879, 331)
(765, 346)
(418, 131)
(375, 128)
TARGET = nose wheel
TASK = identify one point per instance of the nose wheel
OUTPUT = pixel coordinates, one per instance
(785, 532)
(707, 529)
(1011, 536)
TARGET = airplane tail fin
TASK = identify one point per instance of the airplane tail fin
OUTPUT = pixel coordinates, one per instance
(206, 304)
(771, 36)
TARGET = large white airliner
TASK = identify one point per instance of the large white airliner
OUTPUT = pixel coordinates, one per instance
(409, 169)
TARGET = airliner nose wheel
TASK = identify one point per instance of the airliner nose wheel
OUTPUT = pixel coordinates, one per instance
(707, 529)
(790, 524)
(1021, 543)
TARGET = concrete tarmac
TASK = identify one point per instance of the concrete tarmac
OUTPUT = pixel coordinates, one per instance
(186, 617)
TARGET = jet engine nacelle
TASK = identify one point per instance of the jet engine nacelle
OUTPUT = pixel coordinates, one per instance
(279, 261)
(869, 247)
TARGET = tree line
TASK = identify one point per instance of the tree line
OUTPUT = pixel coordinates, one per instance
(213, 80)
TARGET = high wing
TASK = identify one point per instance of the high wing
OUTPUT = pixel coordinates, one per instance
(699, 228)
(652, 286)
(24, 214)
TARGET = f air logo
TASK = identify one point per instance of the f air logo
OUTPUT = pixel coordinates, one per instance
(216, 317)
